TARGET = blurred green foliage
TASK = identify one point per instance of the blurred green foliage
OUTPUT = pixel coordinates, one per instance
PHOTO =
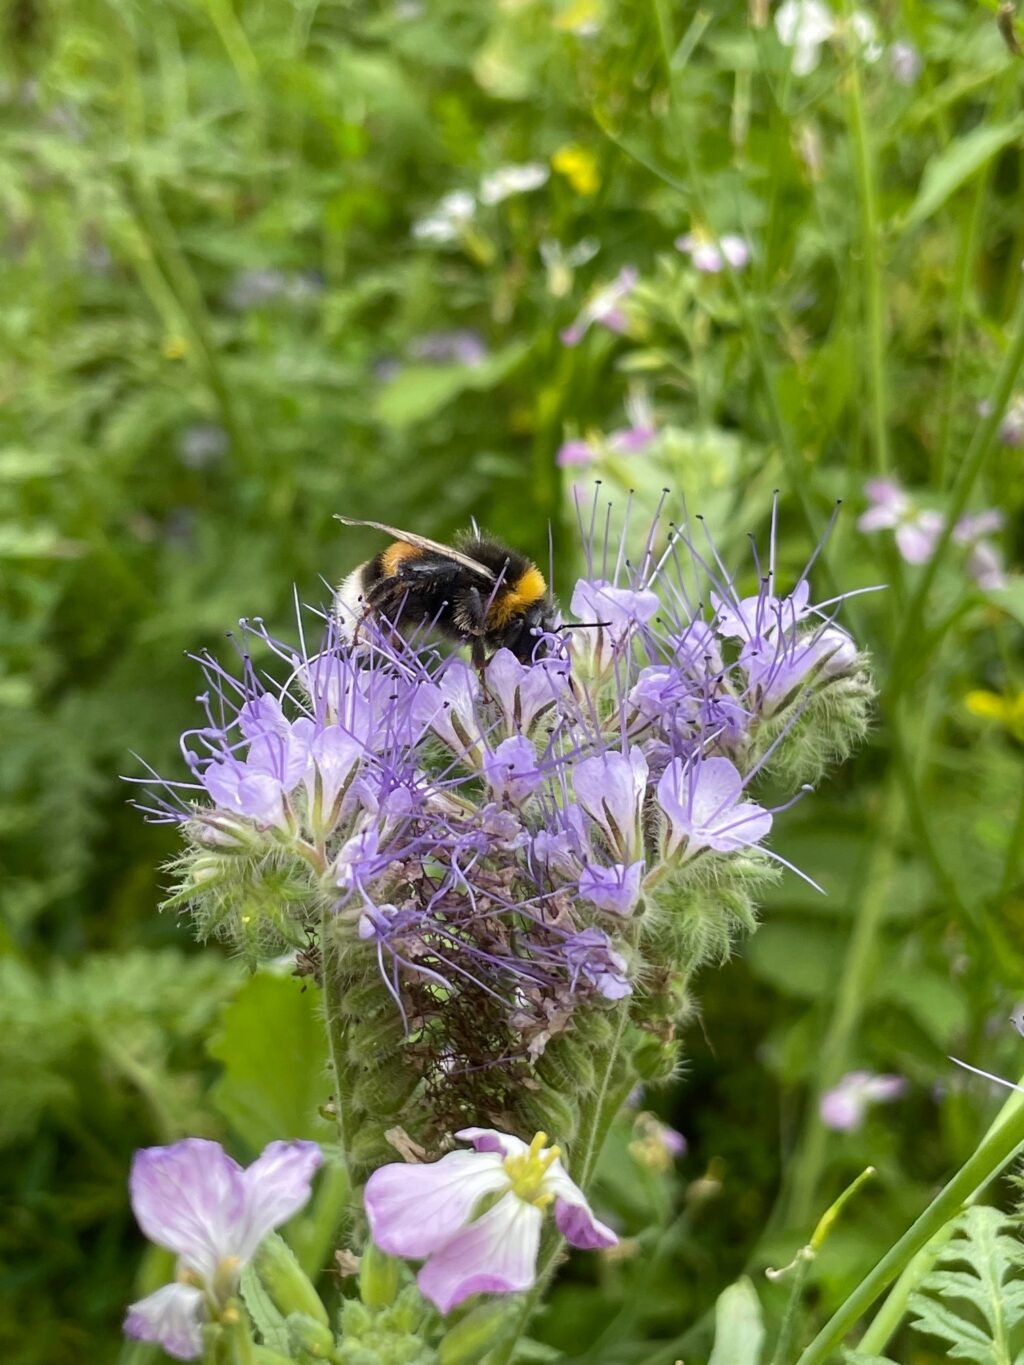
(218, 328)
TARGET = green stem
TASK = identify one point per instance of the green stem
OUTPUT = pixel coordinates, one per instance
(1013, 851)
(890, 1315)
(908, 652)
(874, 309)
(999, 1147)
(850, 998)
(595, 1121)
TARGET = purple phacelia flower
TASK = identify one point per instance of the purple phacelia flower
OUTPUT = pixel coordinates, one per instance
(194, 1200)
(703, 809)
(432, 1213)
(610, 789)
(512, 772)
(590, 954)
(615, 888)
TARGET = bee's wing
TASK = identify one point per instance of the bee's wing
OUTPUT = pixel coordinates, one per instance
(423, 543)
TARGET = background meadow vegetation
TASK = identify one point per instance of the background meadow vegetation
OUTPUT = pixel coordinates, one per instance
(231, 306)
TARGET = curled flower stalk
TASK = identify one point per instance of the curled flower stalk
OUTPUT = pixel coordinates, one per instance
(510, 880)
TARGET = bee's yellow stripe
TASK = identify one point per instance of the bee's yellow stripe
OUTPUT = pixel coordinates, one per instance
(527, 590)
(394, 554)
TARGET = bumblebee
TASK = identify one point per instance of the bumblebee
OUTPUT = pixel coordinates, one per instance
(483, 593)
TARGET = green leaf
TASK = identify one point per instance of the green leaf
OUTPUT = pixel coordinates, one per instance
(974, 1299)
(418, 391)
(270, 1324)
(739, 1328)
(799, 958)
(955, 164)
(272, 1046)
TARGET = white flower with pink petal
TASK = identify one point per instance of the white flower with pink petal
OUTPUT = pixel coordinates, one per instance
(474, 1218)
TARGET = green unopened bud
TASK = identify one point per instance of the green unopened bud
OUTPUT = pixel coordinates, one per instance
(286, 1282)
(312, 1337)
(356, 1320)
(378, 1277)
(263, 1355)
(407, 1313)
(478, 1332)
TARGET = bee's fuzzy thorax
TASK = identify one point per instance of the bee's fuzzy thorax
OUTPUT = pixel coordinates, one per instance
(528, 588)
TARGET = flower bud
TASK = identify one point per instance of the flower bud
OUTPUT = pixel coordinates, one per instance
(470, 1340)
(378, 1277)
(309, 1336)
(286, 1282)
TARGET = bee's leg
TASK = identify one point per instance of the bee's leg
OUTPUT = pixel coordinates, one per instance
(476, 614)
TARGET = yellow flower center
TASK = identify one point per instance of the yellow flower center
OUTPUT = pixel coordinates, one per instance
(526, 1171)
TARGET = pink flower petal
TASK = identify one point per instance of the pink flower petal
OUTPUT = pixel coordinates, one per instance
(491, 1140)
(573, 1215)
(415, 1210)
(495, 1255)
(190, 1198)
(277, 1185)
(172, 1317)
(716, 788)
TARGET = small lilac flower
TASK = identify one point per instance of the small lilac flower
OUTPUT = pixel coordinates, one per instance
(973, 525)
(358, 859)
(430, 1212)
(509, 180)
(655, 1144)
(194, 1200)
(459, 347)
(590, 954)
(712, 255)
(635, 438)
(703, 809)
(904, 63)
(755, 619)
(202, 445)
(604, 308)
(804, 25)
(615, 888)
(610, 789)
(1011, 428)
(448, 219)
(917, 531)
(511, 770)
(576, 452)
(845, 1106)
(985, 566)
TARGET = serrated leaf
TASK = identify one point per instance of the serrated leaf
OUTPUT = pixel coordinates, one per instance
(739, 1327)
(977, 1276)
(956, 163)
(272, 1046)
(270, 1324)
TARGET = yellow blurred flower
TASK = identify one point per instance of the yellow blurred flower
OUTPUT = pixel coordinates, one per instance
(579, 167)
(580, 16)
(1006, 711)
(175, 348)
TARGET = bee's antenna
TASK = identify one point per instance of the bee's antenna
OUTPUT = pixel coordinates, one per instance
(584, 625)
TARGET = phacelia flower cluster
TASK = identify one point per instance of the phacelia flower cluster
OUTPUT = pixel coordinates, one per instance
(509, 853)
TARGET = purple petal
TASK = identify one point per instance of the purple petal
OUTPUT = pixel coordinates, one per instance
(172, 1317)
(743, 825)
(277, 1185)
(575, 453)
(576, 1221)
(491, 1140)
(714, 790)
(495, 1255)
(190, 1198)
(414, 1210)
(616, 888)
(916, 539)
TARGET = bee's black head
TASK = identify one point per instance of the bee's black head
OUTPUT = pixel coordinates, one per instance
(527, 636)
